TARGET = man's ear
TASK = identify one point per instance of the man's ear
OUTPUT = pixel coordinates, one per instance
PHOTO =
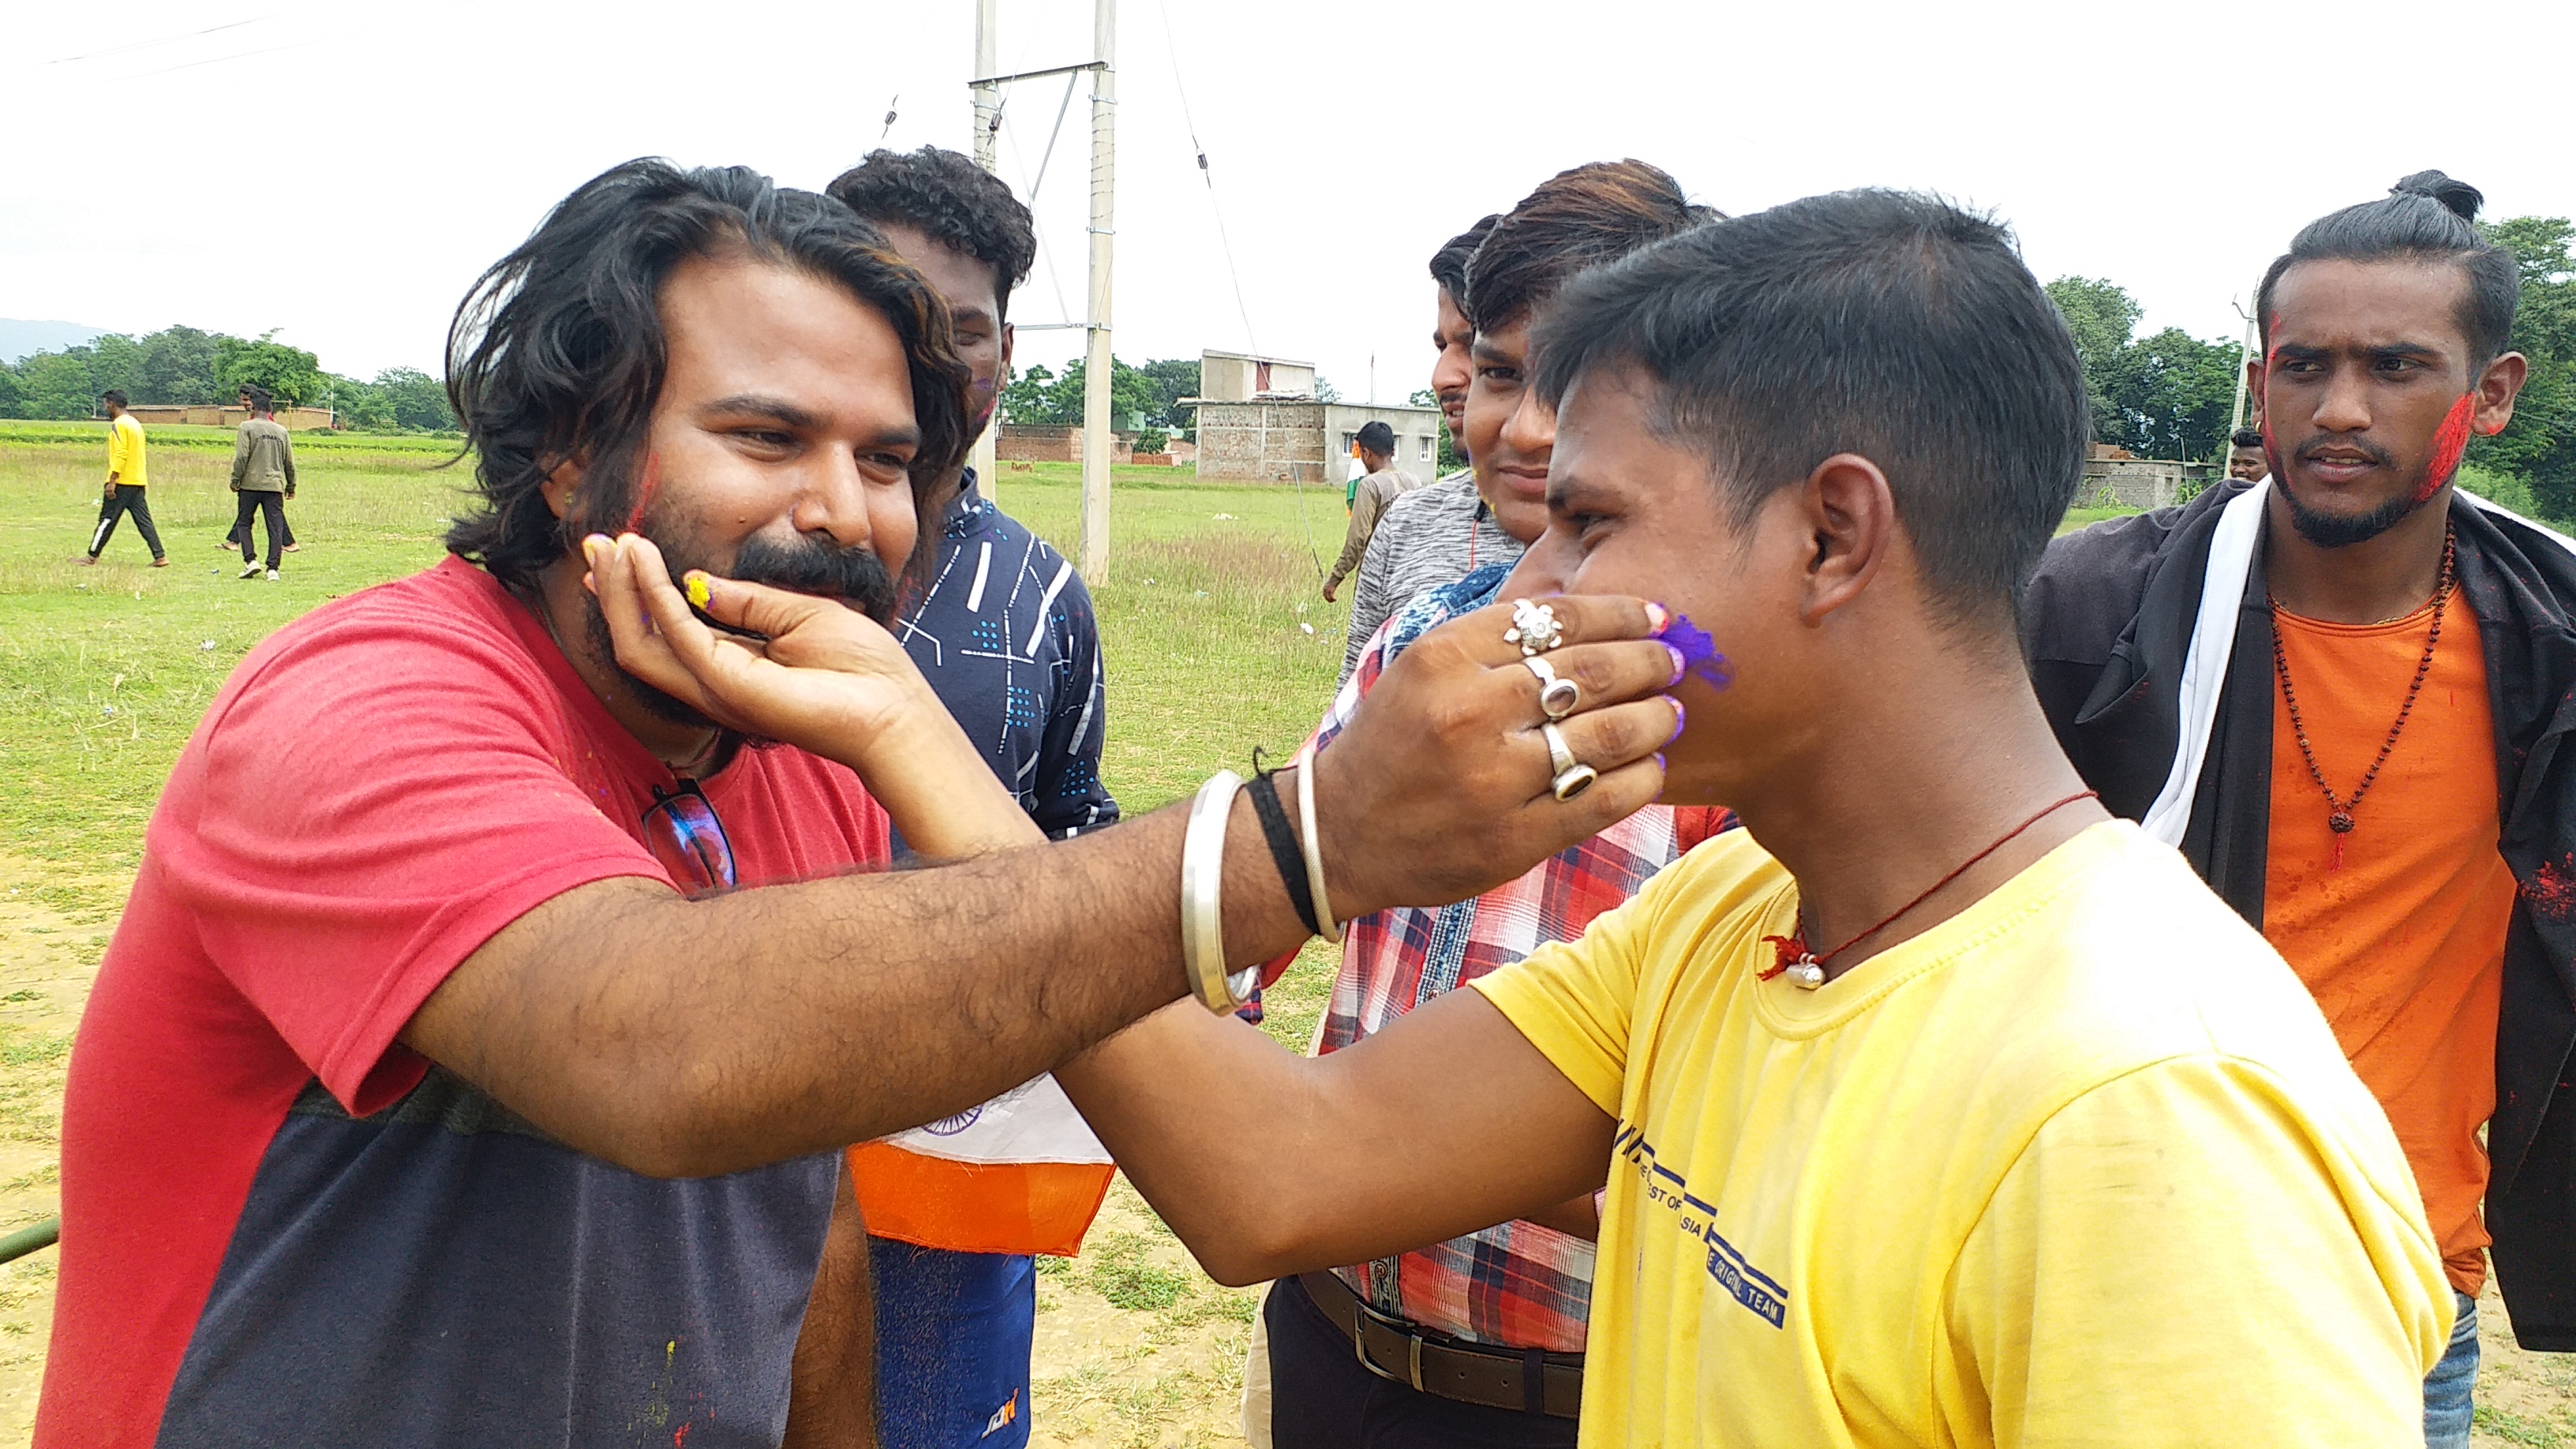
(2254, 390)
(561, 485)
(1848, 513)
(1009, 335)
(2497, 387)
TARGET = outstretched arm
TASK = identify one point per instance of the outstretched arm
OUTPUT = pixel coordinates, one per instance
(689, 1037)
(1266, 1163)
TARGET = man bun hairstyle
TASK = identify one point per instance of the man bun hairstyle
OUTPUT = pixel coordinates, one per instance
(2246, 438)
(114, 397)
(1882, 323)
(2427, 217)
(1575, 219)
(1449, 264)
(951, 200)
(1377, 438)
(557, 352)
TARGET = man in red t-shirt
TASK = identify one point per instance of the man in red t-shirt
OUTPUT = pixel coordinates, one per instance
(473, 1067)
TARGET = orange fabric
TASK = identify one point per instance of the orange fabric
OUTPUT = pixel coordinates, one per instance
(2403, 942)
(1015, 1207)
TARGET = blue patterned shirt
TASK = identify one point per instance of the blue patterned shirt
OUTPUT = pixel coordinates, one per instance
(1006, 636)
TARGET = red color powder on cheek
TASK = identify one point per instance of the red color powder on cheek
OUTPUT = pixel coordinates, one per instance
(644, 491)
(2449, 442)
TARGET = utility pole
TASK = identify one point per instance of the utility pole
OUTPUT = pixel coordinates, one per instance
(988, 119)
(1098, 366)
(2244, 352)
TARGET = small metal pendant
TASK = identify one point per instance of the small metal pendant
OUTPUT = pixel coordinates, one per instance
(1807, 975)
(2340, 822)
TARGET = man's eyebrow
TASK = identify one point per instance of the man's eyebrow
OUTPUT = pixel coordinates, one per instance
(970, 314)
(2385, 350)
(1488, 351)
(763, 405)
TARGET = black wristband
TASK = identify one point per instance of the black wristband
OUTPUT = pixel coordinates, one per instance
(1286, 852)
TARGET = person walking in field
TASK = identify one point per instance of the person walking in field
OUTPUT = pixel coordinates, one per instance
(126, 477)
(2342, 691)
(263, 479)
(1382, 485)
(239, 537)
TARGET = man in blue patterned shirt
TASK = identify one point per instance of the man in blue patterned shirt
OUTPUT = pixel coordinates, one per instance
(1005, 635)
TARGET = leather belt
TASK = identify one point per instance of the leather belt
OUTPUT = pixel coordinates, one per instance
(1498, 1378)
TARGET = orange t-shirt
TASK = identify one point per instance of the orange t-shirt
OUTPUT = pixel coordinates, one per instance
(2402, 942)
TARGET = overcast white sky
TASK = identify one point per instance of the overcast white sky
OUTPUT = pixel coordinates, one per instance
(342, 171)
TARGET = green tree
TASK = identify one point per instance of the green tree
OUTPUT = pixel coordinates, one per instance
(417, 399)
(2539, 446)
(1040, 397)
(179, 367)
(291, 375)
(13, 393)
(1171, 379)
(58, 385)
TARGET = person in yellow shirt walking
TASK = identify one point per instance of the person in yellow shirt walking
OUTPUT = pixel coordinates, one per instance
(125, 483)
(1935, 1106)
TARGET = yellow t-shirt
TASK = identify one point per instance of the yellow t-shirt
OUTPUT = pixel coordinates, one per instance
(2080, 1165)
(125, 451)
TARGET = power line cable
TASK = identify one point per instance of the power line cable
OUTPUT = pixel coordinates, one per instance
(1225, 243)
(164, 40)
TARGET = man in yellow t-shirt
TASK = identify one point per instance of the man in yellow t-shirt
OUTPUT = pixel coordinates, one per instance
(125, 483)
(1935, 1107)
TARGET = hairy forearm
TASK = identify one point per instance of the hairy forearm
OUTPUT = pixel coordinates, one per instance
(692, 1037)
(1266, 1163)
(832, 1390)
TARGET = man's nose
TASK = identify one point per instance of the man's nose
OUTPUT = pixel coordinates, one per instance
(1531, 429)
(2345, 407)
(834, 500)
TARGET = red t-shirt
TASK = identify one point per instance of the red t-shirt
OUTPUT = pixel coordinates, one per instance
(257, 1235)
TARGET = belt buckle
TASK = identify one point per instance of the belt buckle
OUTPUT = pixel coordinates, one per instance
(1359, 1345)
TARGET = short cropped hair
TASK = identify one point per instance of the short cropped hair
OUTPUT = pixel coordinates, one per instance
(2246, 438)
(1883, 323)
(1449, 264)
(557, 352)
(260, 401)
(1377, 438)
(1575, 219)
(114, 396)
(950, 200)
(2426, 217)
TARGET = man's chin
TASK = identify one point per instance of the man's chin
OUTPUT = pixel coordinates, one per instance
(2340, 528)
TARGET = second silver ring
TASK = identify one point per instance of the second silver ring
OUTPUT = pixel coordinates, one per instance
(1557, 696)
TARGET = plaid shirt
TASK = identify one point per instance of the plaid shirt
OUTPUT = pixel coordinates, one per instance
(1516, 1284)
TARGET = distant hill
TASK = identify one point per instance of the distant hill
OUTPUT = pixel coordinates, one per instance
(19, 338)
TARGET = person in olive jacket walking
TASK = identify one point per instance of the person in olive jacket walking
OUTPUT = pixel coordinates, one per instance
(263, 479)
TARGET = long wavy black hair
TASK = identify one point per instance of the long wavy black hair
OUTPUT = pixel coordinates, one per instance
(557, 352)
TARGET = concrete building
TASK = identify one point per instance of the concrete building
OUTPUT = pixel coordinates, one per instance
(1252, 427)
(295, 420)
(2116, 478)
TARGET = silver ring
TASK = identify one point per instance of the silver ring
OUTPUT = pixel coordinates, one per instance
(1572, 777)
(1556, 697)
(1534, 628)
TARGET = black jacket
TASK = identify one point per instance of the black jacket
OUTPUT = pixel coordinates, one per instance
(2106, 627)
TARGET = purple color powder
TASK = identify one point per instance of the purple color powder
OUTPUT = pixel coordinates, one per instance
(1699, 652)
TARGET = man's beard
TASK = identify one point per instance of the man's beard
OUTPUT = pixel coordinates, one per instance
(2334, 530)
(854, 577)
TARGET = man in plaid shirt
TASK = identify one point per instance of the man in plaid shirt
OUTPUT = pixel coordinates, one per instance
(1520, 1290)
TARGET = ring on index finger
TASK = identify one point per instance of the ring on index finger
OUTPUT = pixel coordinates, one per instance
(1573, 777)
(1534, 628)
(1556, 697)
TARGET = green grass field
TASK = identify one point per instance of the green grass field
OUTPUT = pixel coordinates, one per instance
(1204, 617)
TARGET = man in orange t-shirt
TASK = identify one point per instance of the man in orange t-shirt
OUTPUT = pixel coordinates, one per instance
(2360, 754)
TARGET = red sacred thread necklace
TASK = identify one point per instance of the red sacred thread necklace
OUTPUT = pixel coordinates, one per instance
(1809, 967)
(2339, 811)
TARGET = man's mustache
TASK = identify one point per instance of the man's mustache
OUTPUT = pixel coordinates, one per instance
(854, 576)
(2313, 448)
